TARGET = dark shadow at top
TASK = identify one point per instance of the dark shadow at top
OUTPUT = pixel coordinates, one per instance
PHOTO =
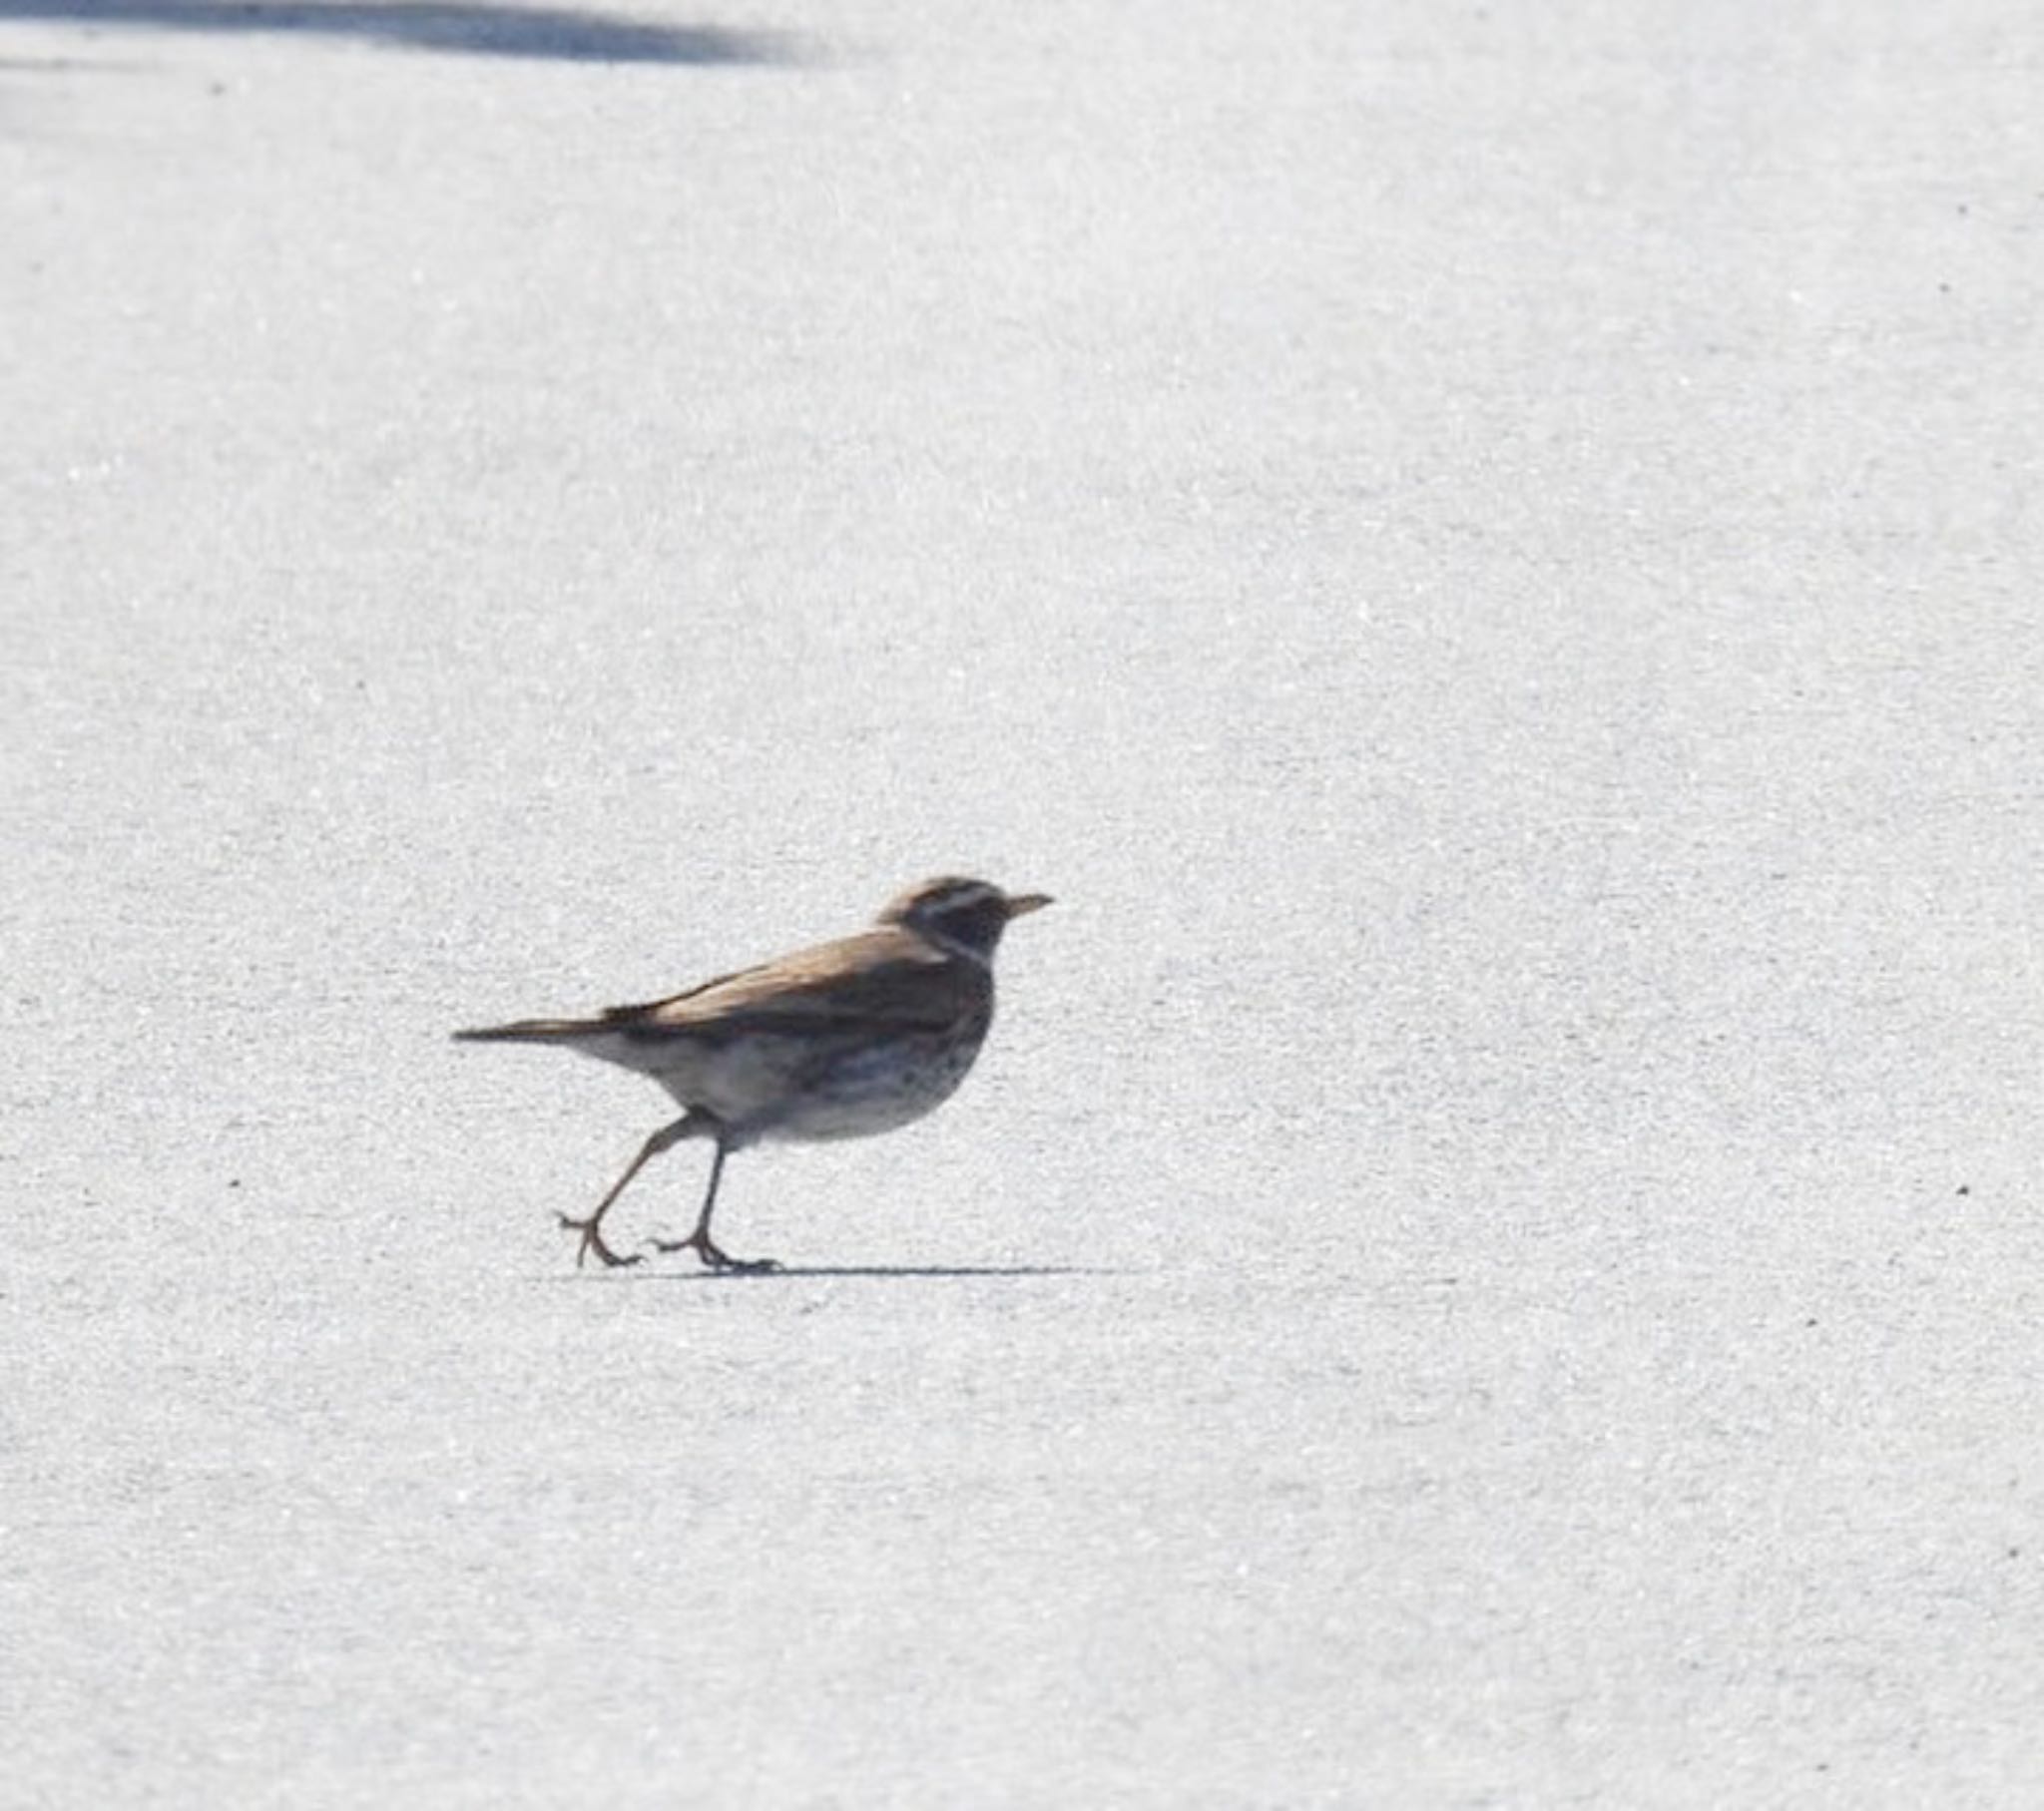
(470, 27)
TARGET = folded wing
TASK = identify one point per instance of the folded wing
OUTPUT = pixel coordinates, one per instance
(879, 981)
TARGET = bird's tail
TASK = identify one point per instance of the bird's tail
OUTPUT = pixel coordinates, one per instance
(529, 1031)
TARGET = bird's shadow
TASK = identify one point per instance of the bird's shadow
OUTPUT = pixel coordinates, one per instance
(784, 1273)
(927, 1273)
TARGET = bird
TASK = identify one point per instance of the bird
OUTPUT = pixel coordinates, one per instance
(841, 1041)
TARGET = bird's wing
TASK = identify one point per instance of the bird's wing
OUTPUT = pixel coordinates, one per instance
(880, 980)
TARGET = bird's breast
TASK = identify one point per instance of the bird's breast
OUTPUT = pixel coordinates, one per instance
(873, 1088)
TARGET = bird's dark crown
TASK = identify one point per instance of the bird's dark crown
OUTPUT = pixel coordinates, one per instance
(968, 914)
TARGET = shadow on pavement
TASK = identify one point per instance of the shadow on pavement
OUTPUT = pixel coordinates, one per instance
(795, 1272)
(471, 27)
(798, 1272)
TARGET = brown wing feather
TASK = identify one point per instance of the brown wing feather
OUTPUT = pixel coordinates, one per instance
(879, 979)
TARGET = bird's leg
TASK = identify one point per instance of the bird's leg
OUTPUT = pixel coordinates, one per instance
(700, 1240)
(591, 1228)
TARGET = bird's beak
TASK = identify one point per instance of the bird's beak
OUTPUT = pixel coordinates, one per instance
(1021, 904)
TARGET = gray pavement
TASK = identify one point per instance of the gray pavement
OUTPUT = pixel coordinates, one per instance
(1488, 556)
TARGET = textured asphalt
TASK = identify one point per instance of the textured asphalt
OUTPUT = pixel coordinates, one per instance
(1486, 554)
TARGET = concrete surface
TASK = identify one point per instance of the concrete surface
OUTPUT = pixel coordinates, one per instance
(1488, 554)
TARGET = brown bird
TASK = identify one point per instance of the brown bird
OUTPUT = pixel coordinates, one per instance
(841, 1040)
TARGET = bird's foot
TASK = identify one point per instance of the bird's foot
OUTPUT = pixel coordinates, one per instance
(714, 1256)
(592, 1241)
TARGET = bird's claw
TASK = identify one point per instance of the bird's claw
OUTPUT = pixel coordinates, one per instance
(592, 1241)
(714, 1256)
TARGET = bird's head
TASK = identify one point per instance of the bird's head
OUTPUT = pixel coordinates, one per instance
(964, 915)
